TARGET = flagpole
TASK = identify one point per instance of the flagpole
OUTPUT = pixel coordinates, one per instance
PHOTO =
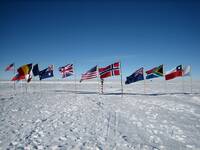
(190, 79)
(164, 73)
(121, 78)
(183, 89)
(74, 79)
(144, 82)
(102, 80)
(14, 75)
(98, 78)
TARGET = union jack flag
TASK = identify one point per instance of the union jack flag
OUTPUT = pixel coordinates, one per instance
(66, 70)
(111, 70)
(90, 74)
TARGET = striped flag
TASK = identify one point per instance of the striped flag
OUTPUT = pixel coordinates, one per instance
(10, 67)
(90, 74)
(66, 70)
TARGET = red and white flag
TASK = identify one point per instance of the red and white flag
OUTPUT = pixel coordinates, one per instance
(90, 74)
(111, 70)
(177, 72)
(18, 77)
(66, 70)
(10, 67)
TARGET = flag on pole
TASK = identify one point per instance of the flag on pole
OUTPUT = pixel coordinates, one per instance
(136, 76)
(90, 74)
(187, 70)
(66, 70)
(155, 72)
(35, 70)
(46, 73)
(25, 69)
(10, 67)
(23, 73)
(18, 77)
(111, 70)
(177, 72)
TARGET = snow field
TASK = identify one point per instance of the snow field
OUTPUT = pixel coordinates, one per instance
(51, 115)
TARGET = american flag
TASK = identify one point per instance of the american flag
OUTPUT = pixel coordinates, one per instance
(90, 74)
(111, 70)
(66, 70)
(10, 67)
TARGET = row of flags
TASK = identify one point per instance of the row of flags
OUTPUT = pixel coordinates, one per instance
(29, 70)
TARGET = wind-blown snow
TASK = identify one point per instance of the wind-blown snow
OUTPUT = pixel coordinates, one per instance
(50, 115)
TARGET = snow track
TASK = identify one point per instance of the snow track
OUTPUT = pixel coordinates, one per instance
(53, 116)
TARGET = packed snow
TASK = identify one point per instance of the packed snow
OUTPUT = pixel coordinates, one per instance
(151, 115)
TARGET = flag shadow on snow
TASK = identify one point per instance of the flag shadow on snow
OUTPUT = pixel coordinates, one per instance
(119, 93)
(76, 92)
(152, 94)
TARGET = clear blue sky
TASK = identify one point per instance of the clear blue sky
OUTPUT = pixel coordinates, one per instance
(142, 33)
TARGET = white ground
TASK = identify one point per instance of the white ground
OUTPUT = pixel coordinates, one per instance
(51, 115)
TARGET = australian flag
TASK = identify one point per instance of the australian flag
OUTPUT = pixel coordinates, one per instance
(46, 73)
(136, 76)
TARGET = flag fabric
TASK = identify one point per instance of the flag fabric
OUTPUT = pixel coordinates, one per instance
(35, 70)
(25, 69)
(136, 76)
(90, 74)
(177, 72)
(187, 70)
(155, 72)
(111, 70)
(10, 67)
(18, 77)
(66, 70)
(46, 73)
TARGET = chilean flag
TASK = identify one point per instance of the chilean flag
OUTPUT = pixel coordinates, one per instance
(111, 70)
(177, 72)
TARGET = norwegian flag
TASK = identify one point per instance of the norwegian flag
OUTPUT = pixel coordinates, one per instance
(111, 70)
(66, 70)
(90, 74)
(10, 67)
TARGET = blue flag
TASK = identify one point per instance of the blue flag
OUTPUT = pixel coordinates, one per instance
(136, 76)
(46, 73)
(35, 70)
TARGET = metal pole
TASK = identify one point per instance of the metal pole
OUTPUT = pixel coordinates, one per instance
(121, 79)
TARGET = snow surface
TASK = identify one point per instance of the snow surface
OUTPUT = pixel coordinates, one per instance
(50, 115)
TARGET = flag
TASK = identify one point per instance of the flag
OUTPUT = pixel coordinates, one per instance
(90, 74)
(25, 69)
(10, 67)
(177, 72)
(46, 73)
(155, 72)
(18, 77)
(35, 70)
(66, 70)
(136, 76)
(111, 70)
(186, 70)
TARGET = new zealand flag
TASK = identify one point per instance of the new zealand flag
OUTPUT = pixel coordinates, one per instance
(136, 76)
